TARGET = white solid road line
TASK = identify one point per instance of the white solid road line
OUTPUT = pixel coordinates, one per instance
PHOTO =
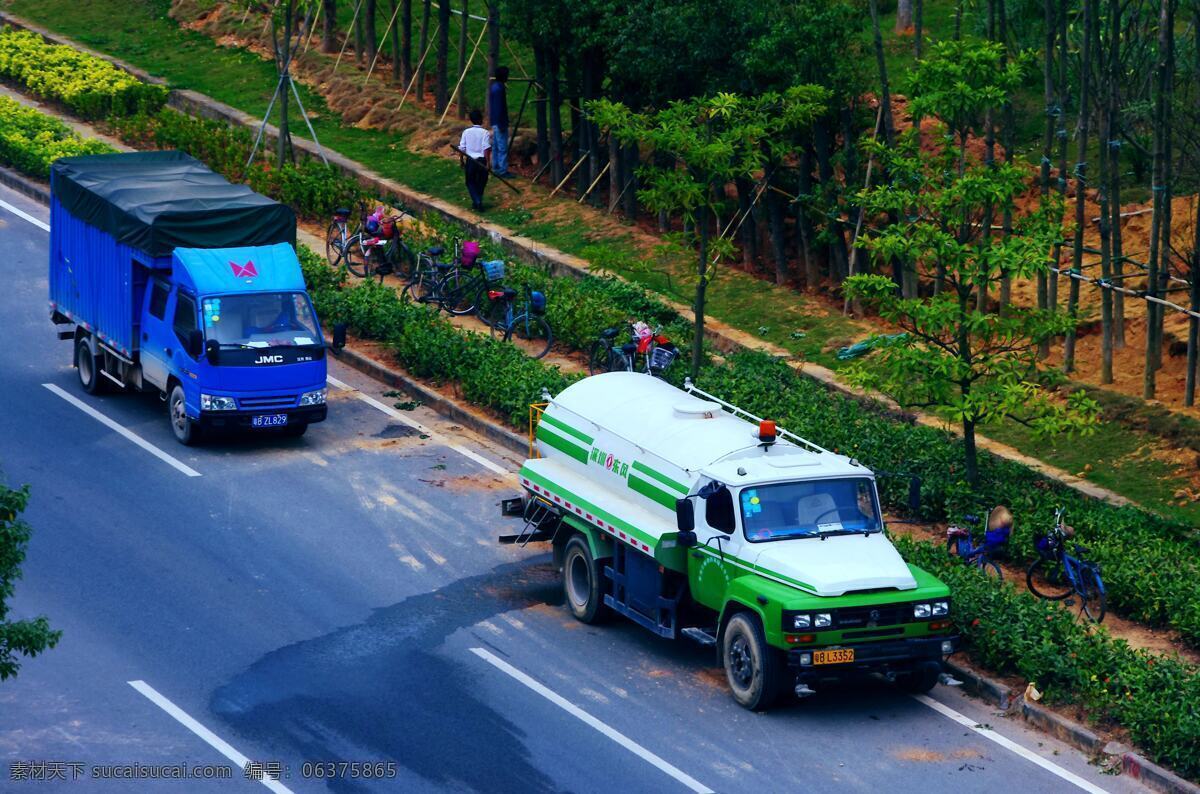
(420, 428)
(1008, 744)
(129, 434)
(25, 216)
(588, 719)
(216, 742)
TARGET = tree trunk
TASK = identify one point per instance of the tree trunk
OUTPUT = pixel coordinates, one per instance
(554, 98)
(1105, 134)
(1061, 135)
(632, 161)
(370, 35)
(749, 229)
(812, 269)
(615, 171)
(462, 59)
(405, 35)
(1168, 187)
(989, 161)
(394, 42)
(904, 15)
(441, 96)
(1008, 129)
(1162, 81)
(493, 24)
(539, 106)
(1085, 60)
(1113, 149)
(329, 26)
(822, 139)
(283, 45)
(885, 95)
(958, 12)
(775, 217)
(918, 27)
(1189, 393)
(1048, 94)
(701, 290)
(422, 58)
(359, 45)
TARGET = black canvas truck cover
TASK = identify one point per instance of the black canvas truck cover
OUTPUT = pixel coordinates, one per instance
(157, 201)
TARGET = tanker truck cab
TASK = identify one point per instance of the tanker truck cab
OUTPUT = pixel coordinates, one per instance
(693, 518)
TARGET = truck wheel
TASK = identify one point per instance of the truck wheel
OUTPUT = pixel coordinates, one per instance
(182, 425)
(923, 678)
(753, 668)
(296, 430)
(89, 368)
(582, 578)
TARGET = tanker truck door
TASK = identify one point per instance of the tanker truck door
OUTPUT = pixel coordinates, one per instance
(712, 561)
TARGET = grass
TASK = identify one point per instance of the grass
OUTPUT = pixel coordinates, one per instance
(142, 33)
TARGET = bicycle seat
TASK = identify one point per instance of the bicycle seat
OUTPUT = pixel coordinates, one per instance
(437, 250)
(509, 293)
(957, 532)
(629, 348)
(608, 333)
(444, 265)
(341, 211)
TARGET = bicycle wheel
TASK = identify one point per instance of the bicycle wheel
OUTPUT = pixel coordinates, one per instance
(497, 318)
(535, 332)
(457, 293)
(355, 257)
(335, 242)
(407, 261)
(420, 289)
(1046, 579)
(991, 570)
(1093, 599)
(599, 359)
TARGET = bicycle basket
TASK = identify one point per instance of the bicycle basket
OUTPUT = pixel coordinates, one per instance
(387, 228)
(537, 302)
(661, 358)
(996, 537)
(1045, 545)
(494, 270)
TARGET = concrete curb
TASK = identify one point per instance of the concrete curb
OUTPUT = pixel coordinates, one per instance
(483, 426)
(1133, 764)
(24, 185)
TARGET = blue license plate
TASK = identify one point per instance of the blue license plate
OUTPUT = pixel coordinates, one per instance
(269, 420)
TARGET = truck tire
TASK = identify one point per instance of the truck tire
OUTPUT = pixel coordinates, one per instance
(923, 678)
(582, 579)
(182, 425)
(753, 669)
(88, 367)
(296, 430)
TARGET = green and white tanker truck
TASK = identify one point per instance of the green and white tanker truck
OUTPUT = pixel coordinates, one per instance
(692, 517)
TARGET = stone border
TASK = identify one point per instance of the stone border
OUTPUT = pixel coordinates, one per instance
(1133, 764)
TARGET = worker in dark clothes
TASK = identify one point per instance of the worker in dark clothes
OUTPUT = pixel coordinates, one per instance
(498, 118)
(475, 146)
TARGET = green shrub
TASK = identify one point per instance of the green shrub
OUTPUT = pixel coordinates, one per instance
(87, 85)
(30, 141)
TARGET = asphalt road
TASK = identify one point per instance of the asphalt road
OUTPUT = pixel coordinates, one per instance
(341, 598)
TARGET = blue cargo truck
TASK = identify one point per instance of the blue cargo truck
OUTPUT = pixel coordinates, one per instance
(168, 278)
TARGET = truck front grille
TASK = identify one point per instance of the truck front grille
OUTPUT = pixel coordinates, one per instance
(260, 403)
(863, 617)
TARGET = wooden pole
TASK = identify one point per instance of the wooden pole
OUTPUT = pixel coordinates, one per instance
(567, 178)
(382, 42)
(461, 76)
(345, 43)
(417, 71)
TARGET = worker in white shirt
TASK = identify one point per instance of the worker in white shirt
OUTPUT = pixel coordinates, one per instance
(475, 146)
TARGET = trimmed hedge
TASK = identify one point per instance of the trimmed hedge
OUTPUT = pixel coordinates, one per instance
(30, 140)
(1155, 698)
(89, 86)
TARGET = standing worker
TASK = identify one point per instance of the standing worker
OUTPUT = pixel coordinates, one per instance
(498, 118)
(474, 146)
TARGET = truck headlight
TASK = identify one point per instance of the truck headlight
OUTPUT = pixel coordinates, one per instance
(940, 609)
(921, 610)
(801, 621)
(313, 397)
(823, 620)
(210, 402)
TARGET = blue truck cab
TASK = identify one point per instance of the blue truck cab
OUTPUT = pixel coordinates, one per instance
(168, 278)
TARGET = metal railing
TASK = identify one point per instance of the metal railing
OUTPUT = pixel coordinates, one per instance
(691, 388)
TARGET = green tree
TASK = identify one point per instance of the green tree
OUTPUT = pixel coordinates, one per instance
(953, 355)
(21, 637)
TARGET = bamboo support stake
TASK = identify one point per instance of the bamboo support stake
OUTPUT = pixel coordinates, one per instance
(349, 30)
(595, 182)
(383, 41)
(517, 60)
(570, 173)
(311, 30)
(417, 70)
(466, 69)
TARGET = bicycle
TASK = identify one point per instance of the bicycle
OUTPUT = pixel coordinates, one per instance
(528, 324)
(659, 353)
(337, 236)
(1056, 575)
(376, 249)
(605, 356)
(958, 541)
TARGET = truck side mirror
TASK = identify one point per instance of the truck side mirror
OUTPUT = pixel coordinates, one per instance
(212, 349)
(195, 343)
(914, 495)
(339, 336)
(685, 515)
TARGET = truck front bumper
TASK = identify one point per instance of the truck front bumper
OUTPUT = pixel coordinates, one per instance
(240, 420)
(876, 656)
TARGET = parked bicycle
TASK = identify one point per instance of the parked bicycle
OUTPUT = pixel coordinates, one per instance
(526, 320)
(995, 538)
(337, 236)
(657, 351)
(606, 355)
(1056, 575)
(458, 286)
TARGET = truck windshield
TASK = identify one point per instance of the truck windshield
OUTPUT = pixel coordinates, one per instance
(277, 319)
(810, 509)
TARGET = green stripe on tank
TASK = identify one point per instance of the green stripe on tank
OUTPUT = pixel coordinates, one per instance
(563, 445)
(650, 491)
(662, 478)
(566, 428)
